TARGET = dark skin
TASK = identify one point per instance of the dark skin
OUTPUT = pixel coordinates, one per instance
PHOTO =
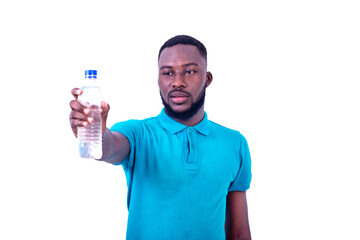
(115, 145)
(182, 77)
(182, 68)
(236, 221)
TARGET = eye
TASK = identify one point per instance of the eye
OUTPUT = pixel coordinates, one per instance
(189, 72)
(167, 73)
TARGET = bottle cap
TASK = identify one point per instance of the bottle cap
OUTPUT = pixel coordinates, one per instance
(90, 74)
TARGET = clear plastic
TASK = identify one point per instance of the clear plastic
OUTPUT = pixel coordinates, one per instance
(90, 137)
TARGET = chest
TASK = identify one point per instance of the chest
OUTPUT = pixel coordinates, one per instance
(187, 159)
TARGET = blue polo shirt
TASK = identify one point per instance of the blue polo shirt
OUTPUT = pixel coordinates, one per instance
(178, 177)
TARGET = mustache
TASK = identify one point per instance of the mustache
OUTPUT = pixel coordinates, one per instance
(179, 90)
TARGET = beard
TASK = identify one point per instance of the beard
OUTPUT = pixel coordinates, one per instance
(187, 114)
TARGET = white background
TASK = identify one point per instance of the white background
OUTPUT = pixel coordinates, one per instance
(286, 75)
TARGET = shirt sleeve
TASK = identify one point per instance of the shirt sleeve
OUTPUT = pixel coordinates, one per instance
(244, 175)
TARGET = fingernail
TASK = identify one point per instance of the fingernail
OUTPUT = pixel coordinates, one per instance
(90, 120)
(85, 124)
(86, 111)
(78, 92)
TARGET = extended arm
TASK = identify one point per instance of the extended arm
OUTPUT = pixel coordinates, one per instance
(115, 145)
(237, 223)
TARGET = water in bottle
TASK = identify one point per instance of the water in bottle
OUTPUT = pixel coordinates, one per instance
(90, 137)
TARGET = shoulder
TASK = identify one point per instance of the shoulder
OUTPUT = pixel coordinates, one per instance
(134, 124)
(221, 130)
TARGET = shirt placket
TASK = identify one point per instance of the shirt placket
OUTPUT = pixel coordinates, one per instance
(192, 162)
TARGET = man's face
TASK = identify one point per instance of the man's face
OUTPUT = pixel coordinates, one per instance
(182, 80)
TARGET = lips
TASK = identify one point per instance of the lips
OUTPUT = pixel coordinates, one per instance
(178, 94)
(178, 97)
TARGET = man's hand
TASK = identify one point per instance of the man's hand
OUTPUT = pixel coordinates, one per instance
(79, 115)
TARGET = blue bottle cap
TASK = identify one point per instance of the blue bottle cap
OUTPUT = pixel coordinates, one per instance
(90, 74)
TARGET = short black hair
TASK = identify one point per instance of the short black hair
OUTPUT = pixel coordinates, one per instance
(187, 40)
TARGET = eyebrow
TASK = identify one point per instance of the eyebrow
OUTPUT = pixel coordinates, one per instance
(184, 65)
(190, 64)
(165, 66)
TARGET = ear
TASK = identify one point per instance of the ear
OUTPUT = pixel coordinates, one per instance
(209, 78)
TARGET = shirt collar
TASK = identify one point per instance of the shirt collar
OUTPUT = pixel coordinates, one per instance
(174, 127)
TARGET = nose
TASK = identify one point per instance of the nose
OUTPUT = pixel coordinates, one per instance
(178, 81)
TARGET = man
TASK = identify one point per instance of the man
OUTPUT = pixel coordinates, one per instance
(187, 176)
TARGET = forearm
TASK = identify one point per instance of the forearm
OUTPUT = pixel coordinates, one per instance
(115, 147)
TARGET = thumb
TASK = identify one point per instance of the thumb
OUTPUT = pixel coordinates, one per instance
(105, 110)
(104, 106)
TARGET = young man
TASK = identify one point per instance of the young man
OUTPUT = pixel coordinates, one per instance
(187, 176)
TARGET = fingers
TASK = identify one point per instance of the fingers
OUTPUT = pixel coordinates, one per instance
(79, 115)
(76, 92)
(79, 120)
(78, 107)
(75, 123)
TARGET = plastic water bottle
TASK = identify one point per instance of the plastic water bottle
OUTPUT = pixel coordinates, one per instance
(90, 137)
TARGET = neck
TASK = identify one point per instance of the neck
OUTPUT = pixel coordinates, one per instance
(194, 120)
